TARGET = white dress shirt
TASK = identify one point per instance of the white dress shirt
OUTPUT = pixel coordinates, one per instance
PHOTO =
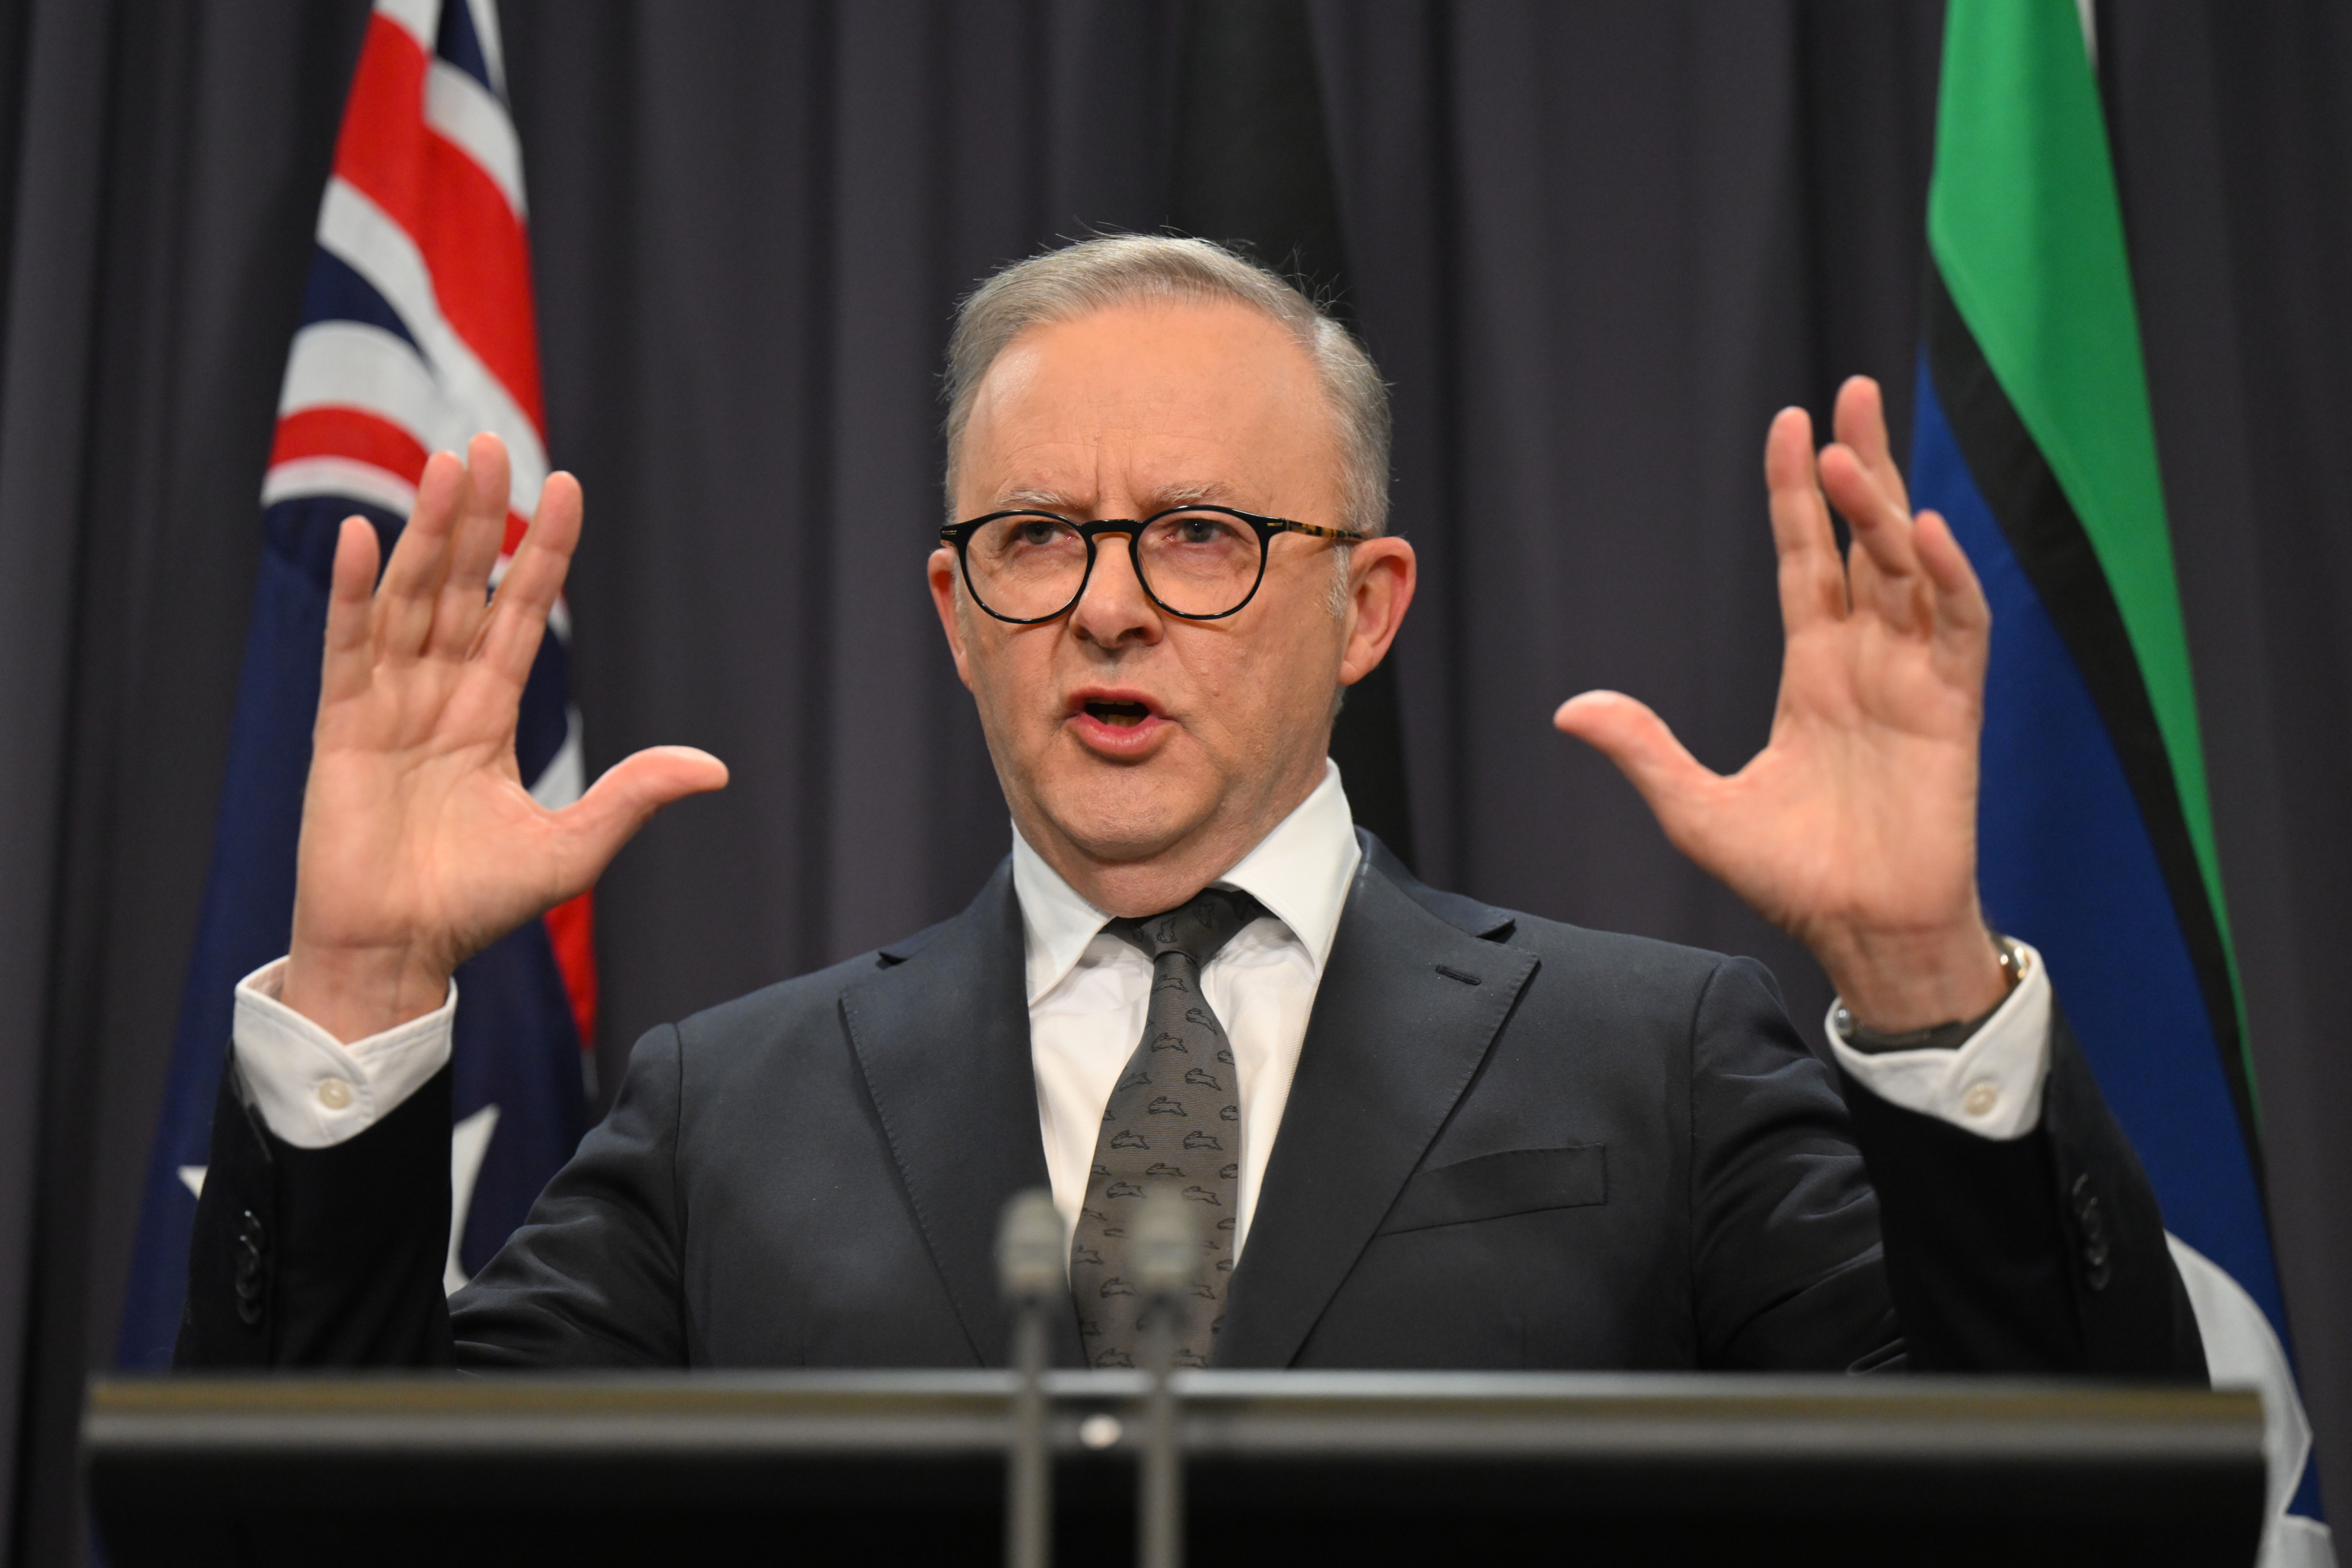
(1088, 993)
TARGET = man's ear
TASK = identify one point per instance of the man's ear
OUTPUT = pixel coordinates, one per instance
(1381, 577)
(947, 597)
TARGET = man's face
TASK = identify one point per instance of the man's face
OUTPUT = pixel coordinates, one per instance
(1135, 747)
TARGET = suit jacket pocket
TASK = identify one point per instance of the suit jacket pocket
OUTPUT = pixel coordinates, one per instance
(1517, 1181)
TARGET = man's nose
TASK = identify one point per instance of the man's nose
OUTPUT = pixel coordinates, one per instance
(1114, 608)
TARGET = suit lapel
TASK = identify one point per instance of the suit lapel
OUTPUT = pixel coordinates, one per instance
(1392, 1044)
(942, 1037)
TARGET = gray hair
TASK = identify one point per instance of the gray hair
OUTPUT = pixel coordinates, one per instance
(1114, 270)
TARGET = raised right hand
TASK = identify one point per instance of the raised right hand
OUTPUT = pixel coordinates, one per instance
(421, 844)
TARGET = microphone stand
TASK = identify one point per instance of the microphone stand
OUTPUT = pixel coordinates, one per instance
(1029, 1264)
(1167, 1243)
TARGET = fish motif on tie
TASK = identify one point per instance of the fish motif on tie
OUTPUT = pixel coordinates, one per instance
(1164, 1089)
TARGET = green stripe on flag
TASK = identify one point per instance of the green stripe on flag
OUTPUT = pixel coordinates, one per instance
(2026, 229)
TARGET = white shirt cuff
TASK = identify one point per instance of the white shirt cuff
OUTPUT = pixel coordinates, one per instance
(312, 1089)
(1990, 1084)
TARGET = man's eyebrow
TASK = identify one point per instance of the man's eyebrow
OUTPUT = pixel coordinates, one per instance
(1202, 491)
(1044, 500)
(1193, 493)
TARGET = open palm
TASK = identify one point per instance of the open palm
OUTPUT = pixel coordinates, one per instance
(1855, 828)
(420, 844)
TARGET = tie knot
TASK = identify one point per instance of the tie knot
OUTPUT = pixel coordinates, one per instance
(1196, 928)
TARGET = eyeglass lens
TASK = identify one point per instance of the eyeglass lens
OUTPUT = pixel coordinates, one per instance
(1196, 564)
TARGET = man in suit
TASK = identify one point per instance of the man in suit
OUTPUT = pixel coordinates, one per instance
(1419, 1130)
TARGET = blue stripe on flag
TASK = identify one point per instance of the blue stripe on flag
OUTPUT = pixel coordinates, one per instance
(334, 292)
(459, 45)
(2065, 863)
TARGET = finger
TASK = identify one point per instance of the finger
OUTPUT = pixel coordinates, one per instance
(1672, 781)
(1893, 587)
(351, 593)
(1860, 424)
(1812, 577)
(479, 534)
(420, 561)
(1961, 603)
(533, 580)
(595, 826)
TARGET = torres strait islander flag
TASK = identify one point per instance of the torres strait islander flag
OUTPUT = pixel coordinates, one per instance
(2033, 437)
(416, 333)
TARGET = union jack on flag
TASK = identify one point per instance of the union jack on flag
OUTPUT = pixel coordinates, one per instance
(417, 332)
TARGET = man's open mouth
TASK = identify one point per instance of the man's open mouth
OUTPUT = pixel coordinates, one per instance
(1124, 715)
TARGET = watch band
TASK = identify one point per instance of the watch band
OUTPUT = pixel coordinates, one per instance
(1937, 1036)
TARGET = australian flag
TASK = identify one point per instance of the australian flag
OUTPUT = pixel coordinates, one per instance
(418, 332)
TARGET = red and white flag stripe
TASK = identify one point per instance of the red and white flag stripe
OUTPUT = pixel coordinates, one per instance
(435, 339)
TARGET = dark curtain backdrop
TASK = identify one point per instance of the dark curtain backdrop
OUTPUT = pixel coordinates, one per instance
(1594, 246)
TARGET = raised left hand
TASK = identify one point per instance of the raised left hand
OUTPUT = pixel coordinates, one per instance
(1855, 828)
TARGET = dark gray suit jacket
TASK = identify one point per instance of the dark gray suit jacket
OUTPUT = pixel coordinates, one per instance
(1510, 1143)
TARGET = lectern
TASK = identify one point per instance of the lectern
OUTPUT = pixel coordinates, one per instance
(1281, 1468)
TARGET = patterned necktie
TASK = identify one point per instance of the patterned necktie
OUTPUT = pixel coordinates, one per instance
(1174, 1121)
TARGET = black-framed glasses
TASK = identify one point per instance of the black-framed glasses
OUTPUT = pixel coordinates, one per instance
(1200, 562)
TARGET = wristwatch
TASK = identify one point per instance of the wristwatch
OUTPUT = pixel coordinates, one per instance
(1937, 1036)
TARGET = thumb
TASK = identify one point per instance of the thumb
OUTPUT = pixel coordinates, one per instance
(597, 823)
(1644, 750)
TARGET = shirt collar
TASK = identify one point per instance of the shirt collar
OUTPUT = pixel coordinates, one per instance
(1301, 872)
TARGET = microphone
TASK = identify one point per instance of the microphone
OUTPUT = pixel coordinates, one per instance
(1166, 1246)
(1029, 1273)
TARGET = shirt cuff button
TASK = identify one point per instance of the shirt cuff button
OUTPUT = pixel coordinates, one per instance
(1980, 1099)
(334, 1093)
